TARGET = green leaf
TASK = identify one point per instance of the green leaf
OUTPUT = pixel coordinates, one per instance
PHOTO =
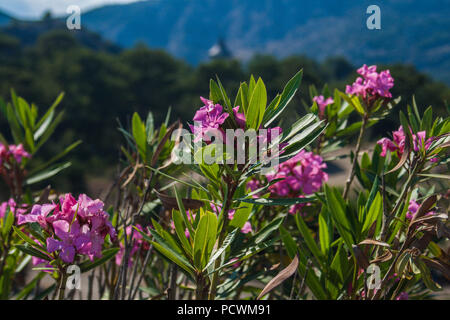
(262, 234)
(205, 238)
(107, 254)
(289, 242)
(278, 201)
(226, 243)
(337, 210)
(168, 251)
(32, 251)
(49, 130)
(28, 240)
(139, 134)
(308, 237)
(241, 216)
(50, 110)
(375, 211)
(48, 173)
(257, 105)
(180, 231)
(183, 213)
(286, 96)
(324, 232)
(354, 102)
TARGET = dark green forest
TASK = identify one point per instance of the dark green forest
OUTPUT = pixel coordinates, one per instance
(103, 87)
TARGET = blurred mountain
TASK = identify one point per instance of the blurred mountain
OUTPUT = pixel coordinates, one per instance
(28, 32)
(412, 31)
(4, 18)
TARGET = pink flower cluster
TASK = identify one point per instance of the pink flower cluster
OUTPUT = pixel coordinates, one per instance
(302, 175)
(77, 227)
(11, 204)
(322, 103)
(138, 243)
(372, 83)
(413, 208)
(208, 121)
(398, 142)
(16, 152)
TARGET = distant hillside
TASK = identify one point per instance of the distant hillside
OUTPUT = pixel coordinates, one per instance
(4, 18)
(413, 31)
(27, 32)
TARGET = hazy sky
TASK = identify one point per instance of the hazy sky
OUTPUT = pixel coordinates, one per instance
(35, 8)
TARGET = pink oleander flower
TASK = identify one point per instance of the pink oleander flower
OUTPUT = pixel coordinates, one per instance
(372, 83)
(302, 175)
(247, 226)
(253, 185)
(413, 208)
(402, 296)
(237, 264)
(240, 117)
(398, 143)
(17, 152)
(138, 244)
(11, 204)
(208, 118)
(74, 239)
(77, 227)
(322, 103)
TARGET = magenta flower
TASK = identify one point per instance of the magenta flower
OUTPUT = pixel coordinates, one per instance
(17, 152)
(402, 296)
(73, 239)
(253, 184)
(137, 242)
(372, 83)
(398, 143)
(208, 118)
(76, 227)
(240, 117)
(413, 208)
(322, 103)
(11, 204)
(39, 214)
(302, 175)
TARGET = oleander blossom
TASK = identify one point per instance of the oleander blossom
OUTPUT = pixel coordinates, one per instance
(77, 227)
(138, 244)
(322, 103)
(207, 121)
(11, 205)
(372, 83)
(16, 152)
(397, 144)
(402, 296)
(413, 208)
(302, 175)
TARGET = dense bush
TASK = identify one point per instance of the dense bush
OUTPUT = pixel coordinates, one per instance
(235, 201)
